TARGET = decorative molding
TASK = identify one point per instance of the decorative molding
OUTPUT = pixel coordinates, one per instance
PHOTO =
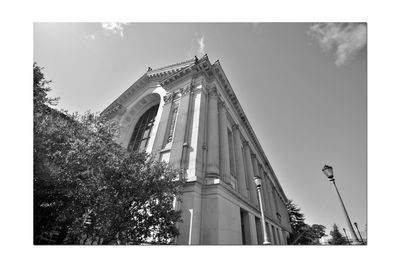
(213, 92)
(222, 104)
(187, 89)
(168, 98)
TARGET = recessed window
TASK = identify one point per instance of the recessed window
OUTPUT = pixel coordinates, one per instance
(141, 134)
(171, 124)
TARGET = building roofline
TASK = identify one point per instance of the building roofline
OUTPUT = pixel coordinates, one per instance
(249, 128)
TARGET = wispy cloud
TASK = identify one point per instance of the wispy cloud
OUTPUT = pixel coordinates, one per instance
(344, 39)
(201, 45)
(114, 27)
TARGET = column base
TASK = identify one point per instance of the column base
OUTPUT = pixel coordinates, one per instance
(212, 178)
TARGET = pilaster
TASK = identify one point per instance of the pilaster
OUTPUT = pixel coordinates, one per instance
(213, 136)
(197, 134)
(241, 174)
(250, 173)
(180, 129)
(271, 199)
(224, 146)
(266, 194)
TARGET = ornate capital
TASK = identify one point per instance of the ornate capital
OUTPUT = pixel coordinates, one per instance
(245, 143)
(235, 127)
(168, 98)
(213, 92)
(184, 91)
(222, 104)
(253, 155)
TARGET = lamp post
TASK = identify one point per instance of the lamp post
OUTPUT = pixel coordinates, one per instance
(362, 241)
(257, 181)
(328, 171)
(344, 230)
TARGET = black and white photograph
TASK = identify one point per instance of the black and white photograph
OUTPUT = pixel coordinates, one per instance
(169, 133)
(200, 133)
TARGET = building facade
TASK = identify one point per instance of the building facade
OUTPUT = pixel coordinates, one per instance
(187, 114)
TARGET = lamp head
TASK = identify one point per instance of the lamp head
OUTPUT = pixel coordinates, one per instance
(257, 181)
(328, 171)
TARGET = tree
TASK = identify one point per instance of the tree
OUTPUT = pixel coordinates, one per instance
(318, 231)
(302, 233)
(296, 219)
(314, 233)
(89, 189)
(337, 237)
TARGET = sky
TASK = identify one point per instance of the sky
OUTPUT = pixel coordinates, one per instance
(302, 86)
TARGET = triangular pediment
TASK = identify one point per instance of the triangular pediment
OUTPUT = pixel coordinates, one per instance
(164, 76)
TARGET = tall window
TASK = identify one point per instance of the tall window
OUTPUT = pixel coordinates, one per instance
(141, 134)
(171, 124)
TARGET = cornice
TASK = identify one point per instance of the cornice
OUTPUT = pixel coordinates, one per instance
(197, 66)
(170, 69)
(150, 75)
(118, 104)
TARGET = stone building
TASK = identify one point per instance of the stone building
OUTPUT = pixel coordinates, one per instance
(187, 114)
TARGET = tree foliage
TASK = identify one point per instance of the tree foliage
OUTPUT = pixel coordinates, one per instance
(337, 237)
(302, 233)
(90, 190)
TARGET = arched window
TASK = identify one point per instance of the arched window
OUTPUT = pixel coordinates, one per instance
(142, 131)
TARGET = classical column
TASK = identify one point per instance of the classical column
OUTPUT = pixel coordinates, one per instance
(265, 192)
(223, 140)
(275, 202)
(240, 172)
(196, 135)
(212, 136)
(271, 196)
(250, 173)
(256, 171)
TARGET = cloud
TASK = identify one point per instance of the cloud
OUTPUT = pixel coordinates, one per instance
(201, 45)
(114, 27)
(344, 39)
(91, 36)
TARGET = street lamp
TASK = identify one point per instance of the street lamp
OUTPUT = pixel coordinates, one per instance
(328, 171)
(362, 241)
(257, 181)
(344, 230)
